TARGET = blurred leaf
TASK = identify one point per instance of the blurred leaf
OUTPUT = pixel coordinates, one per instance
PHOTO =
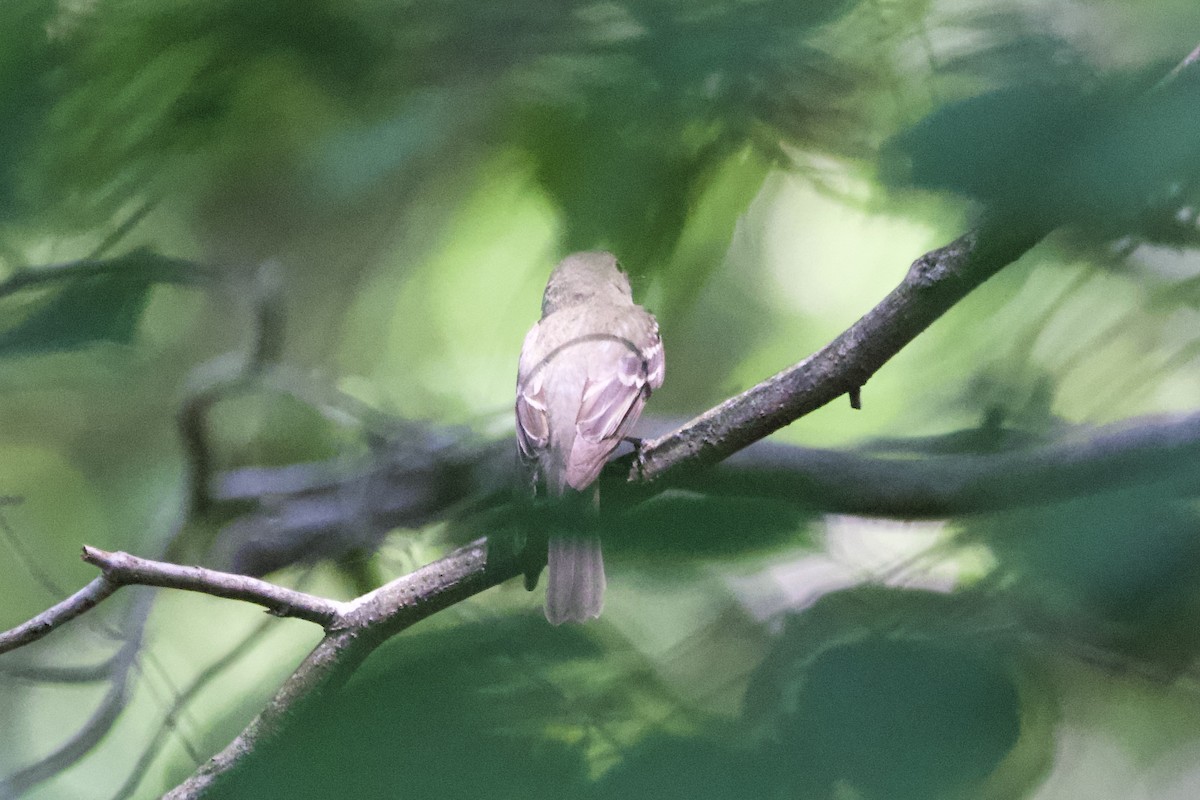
(159, 97)
(1004, 147)
(1121, 569)
(81, 303)
(680, 527)
(628, 145)
(899, 719)
(887, 694)
(1104, 157)
(685, 768)
(620, 175)
(84, 311)
(26, 57)
(454, 713)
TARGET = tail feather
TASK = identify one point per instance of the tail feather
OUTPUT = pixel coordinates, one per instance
(575, 581)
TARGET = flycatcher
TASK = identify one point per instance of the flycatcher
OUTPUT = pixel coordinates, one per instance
(586, 370)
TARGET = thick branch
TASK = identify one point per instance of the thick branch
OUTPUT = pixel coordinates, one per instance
(1163, 452)
(934, 283)
(911, 483)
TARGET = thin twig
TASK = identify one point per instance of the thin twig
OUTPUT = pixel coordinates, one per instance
(51, 673)
(86, 738)
(124, 569)
(146, 759)
(30, 565)
(1190, 59)
(57, 615)
(122, 230)
(121, 569)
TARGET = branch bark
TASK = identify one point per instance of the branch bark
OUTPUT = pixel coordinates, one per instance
(1162, 451)
(123, 569)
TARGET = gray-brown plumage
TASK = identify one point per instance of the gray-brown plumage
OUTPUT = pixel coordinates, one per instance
(586, 370)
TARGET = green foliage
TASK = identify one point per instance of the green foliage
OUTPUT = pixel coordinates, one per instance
(841, 703)
(451, 714)
(69, 307)
(1122, 566)
(674, 528)
(676, 90)
(26, 59)
(894, 695)
(1114, 160)
(87, 310)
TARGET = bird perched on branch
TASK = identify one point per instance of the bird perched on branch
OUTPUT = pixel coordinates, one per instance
(586, 370)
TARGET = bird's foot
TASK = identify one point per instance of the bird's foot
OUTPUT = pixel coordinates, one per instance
(639, 458)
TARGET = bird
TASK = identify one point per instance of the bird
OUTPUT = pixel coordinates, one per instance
(586, 369)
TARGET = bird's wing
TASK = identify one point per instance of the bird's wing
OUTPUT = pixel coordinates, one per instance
(612, 401)
(609, 397)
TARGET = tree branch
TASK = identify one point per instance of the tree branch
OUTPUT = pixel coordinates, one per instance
(353, 631)
(57, 615)
(122, 569)
(367, 623)
(1163, 451)
(934, 283)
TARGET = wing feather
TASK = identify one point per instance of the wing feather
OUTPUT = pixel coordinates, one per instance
(611, 403)
(533, 422)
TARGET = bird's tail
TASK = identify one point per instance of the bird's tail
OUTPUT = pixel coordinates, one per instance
(575, 581)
